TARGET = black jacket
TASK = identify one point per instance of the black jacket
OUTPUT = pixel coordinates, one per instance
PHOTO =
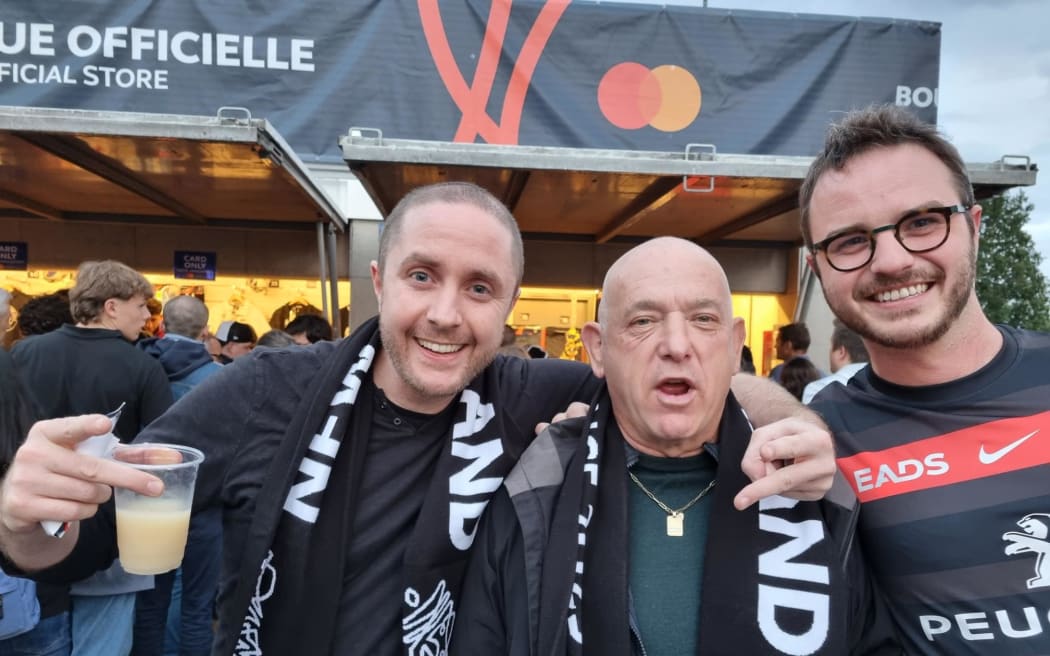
(238, 418)
(499, 609)
(76, 371)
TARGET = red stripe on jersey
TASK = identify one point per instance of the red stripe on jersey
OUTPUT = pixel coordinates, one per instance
(976, 452)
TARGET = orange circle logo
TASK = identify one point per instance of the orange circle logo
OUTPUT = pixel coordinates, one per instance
(632, 96)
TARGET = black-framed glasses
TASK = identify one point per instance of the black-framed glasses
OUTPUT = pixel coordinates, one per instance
(919, 231)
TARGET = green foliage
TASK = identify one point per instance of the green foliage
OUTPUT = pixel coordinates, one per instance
(1010, 286)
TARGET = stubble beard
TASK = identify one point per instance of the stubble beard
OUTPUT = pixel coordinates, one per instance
(402, 367)
(956, 299)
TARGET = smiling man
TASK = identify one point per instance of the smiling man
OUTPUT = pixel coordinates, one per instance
(351, 475)
(945, 436)
(616, 533)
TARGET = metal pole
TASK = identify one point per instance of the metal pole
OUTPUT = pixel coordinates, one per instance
(350, 273)
(322, 267)
(333, 280)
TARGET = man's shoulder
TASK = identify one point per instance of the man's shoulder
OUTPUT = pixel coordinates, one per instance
(1028, 340)
(543, 462)
(31, 343)
(540, 375)
(205, 370)
(294, 361)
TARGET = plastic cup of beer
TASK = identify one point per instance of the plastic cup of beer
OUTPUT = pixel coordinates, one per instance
(151, 531)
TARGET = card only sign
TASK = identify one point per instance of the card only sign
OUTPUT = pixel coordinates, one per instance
(195, 265)
(14, 255)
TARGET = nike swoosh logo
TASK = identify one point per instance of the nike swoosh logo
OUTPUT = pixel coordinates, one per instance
(987, 458)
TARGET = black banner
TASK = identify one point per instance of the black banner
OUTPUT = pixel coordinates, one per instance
(537, 72)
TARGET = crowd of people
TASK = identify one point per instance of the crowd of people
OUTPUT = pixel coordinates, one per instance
(107, 343)
(400, 491)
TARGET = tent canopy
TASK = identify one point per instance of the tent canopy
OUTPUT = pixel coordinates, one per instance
(230, 170)
(599, 195)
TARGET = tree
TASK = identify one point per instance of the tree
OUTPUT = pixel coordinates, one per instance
(1010, 286)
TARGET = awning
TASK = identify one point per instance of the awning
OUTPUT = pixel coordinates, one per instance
(229, 170)
(601, 195)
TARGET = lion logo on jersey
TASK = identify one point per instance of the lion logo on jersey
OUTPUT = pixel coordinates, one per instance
(1033, 540)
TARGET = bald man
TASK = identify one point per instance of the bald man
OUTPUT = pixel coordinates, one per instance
(634, 504)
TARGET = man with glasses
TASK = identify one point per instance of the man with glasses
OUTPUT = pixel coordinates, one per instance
(946, 436)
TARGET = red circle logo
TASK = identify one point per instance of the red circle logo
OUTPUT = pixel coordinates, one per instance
(632, 96)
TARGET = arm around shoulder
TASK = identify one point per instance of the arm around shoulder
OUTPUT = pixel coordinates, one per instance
(791, 452)
(766, 402)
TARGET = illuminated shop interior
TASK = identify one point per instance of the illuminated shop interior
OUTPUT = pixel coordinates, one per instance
(548, 317)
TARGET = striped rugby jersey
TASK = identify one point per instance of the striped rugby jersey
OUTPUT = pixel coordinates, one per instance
(955, 485)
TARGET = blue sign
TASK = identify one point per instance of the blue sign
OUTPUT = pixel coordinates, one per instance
(195, 265)
(14, 255)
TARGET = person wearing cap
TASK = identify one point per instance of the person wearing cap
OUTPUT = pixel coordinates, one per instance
(237, 339)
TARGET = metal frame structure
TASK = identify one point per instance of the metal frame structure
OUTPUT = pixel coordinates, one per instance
(228, 170)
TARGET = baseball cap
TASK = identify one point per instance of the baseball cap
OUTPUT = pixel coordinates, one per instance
(235, 331)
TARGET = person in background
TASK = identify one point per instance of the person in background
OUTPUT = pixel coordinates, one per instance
(616, 533)
(309, 329)
(52, 634)
(944, 435)
(237, 340)
(213, 346)
(276, 339)
(155, 324)
(747, 361)
(181, 350)
(187, 364)
(796, 374)
(5, 315)
(848, 356)
(93, 367)
(792, 342)
(42, 314)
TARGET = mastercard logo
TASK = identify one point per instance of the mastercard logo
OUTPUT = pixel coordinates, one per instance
(632, 96)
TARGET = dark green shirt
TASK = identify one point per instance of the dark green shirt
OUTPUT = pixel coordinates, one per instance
(666, 572)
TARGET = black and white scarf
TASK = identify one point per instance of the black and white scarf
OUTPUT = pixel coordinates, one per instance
(291, 578)
(750, 602)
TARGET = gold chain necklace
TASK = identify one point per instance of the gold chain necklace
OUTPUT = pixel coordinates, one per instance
(675, 518)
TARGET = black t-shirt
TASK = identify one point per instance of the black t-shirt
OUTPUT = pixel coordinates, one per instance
(403, 450)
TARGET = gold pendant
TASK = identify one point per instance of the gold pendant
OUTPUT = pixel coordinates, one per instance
(676, 525)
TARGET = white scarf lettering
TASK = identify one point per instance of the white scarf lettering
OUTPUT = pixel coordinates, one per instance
(778, 563)
(464, 514)
(317, 471)
(590, 468)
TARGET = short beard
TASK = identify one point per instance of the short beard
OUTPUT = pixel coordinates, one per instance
(958, 296)
(404, 371)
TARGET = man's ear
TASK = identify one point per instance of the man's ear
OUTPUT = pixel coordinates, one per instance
(109, 308)
(591, 335)
(739, 335)
(811, 261)
(377, 282)
(976, 214)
